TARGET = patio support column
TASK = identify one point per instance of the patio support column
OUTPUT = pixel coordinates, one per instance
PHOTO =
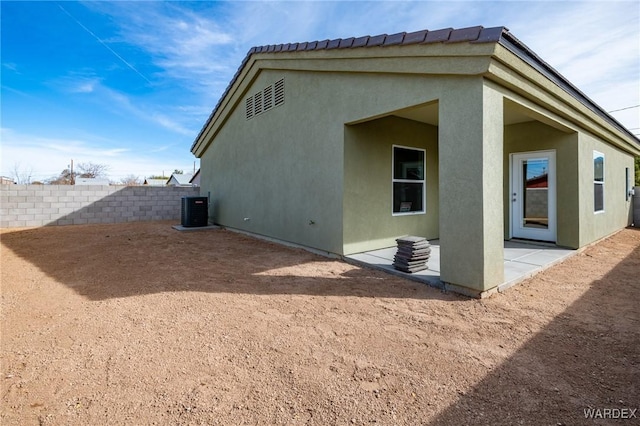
(471, 165)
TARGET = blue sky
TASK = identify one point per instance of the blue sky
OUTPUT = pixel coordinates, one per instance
(130, 84)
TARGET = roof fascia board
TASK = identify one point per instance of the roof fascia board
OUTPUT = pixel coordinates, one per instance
(409, 65)
(515, 46)
(438, 49)
(243, 80)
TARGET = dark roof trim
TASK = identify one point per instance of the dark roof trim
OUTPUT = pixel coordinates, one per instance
(476, 34)
(447, 35)
(515, 46)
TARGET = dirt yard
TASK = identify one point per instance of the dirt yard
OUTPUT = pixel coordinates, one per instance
(140, 324)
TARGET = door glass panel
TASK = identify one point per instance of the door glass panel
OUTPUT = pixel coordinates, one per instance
(535, 193)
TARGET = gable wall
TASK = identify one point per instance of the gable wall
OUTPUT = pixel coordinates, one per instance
(280, 170)
(285, 168)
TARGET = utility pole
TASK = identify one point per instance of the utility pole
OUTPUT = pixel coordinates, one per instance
(72, 180)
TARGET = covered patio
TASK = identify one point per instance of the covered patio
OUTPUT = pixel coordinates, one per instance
(522, 259)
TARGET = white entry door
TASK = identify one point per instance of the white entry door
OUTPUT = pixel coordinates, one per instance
(533, 195)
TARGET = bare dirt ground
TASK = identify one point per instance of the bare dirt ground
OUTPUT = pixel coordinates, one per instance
(141, 324)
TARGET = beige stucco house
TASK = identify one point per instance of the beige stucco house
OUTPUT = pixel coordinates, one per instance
(463, 135)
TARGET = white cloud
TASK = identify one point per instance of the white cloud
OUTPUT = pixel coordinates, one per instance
(83, 85)
(86, 87)
(186, 45)
(10, 66)
(76, 81)
(595, 44)
(124, 104)
(166, 122)
(46, 157)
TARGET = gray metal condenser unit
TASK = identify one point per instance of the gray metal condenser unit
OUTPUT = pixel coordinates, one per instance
(195, 211)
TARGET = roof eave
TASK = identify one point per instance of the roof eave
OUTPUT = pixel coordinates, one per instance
(499, 35)
(475, 35)
(515, 46)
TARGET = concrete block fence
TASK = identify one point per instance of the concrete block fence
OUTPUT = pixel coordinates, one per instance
(40, 205)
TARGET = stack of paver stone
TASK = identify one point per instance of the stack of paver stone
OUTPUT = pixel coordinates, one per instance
(412, 255)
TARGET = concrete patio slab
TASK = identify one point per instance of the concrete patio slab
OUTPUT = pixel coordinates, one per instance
(521, 261)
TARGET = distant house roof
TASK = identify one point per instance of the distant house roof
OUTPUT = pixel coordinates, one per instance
(91, 181)
(155, 182)
(477, 34)
(537, 182)
(195, 180)
(4, 180)
(180, 179)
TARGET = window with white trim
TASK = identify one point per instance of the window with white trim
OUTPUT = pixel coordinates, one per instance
(408, 180)
(598, 182)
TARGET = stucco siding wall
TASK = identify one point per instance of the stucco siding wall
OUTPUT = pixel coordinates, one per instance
(537, 136)
(368, 220)
(617, 210)
(283, 169)
(279, 174)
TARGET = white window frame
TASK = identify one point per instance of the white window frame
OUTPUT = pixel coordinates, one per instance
(597, 154)
(423, 181)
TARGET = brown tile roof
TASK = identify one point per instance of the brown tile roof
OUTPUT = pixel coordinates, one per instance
(477, 34)
(448, 35)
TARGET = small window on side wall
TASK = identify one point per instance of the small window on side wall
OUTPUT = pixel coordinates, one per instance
(598, 182)
(408, 180)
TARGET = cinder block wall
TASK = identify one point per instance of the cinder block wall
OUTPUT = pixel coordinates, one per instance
(39, 205)
(636, 207)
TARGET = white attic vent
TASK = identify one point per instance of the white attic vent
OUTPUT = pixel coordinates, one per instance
(264, 100)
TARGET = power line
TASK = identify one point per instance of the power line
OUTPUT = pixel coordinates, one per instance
(622, 109)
